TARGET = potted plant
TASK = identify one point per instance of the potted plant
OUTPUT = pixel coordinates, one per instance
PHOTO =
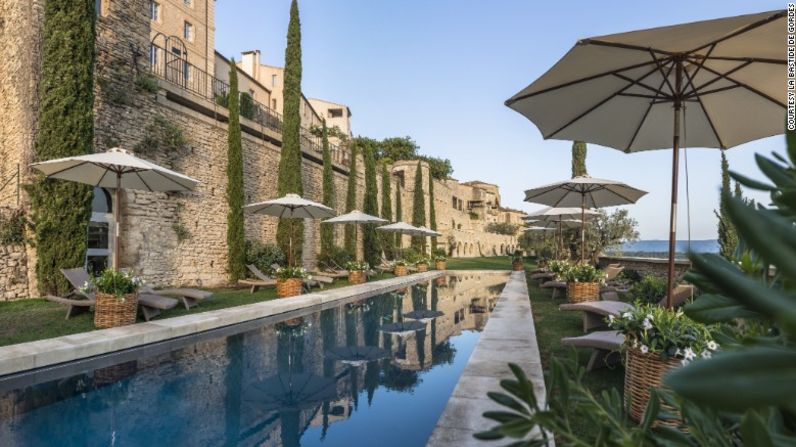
(422, 265)
(357, 271)
(583, 283)
(657, 340)
(400, 268)
(558, 268)
(117, 298)
(440, 262)
(289, 281)
(517, 262)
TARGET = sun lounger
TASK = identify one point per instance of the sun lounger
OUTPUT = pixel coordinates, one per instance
(263, 280)
(150, 305)
(605, 347)
(189, 297)
(556, 286)
(595, 312)
(543, 277)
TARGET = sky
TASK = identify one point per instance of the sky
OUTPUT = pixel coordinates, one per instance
(440, 71)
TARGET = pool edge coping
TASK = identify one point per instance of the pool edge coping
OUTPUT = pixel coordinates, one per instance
(33, 355)
(486, 367)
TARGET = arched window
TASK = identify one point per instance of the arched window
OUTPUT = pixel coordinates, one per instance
(99, 235)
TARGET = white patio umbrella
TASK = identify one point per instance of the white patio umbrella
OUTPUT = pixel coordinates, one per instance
(401, 228)
(586, 192)
(561, 218)
(356, 218)
(117, 169)
(291, 206)
(723, 81)
(427, 232)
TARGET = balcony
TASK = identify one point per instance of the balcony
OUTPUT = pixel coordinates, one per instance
(176, 70)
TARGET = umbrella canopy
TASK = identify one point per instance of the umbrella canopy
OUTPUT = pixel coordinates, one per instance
(117, 169)
(401, 228)
(355, 217)
(588, 192)
(584, 192)
(721, 80)
(551, 214)
(291, 206)
(403, 328)
(535, 228)
(424, 315)
(290, 391)
(429, 232)
(357, 355)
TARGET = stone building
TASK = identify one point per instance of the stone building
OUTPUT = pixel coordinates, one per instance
(179, 238)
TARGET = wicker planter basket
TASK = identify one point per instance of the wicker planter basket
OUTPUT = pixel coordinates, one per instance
(400, 270)
(357, 277)
(423, 267)
(288, 287)
(579, 292)
(440, 265)
(642, 372)
(112, 312)
(517, 266)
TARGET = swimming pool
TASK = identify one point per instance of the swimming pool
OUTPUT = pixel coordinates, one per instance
(377, 371)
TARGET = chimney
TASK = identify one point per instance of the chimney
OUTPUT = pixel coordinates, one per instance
(250, 63)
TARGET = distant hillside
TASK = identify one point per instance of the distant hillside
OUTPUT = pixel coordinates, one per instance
(659, 248)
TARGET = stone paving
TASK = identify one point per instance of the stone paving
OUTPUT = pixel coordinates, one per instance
(49, 352)
(508, 337)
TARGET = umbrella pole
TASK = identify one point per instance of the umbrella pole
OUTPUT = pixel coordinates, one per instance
(675, 171)
(583, 228)
(290, 246)
(117, 220)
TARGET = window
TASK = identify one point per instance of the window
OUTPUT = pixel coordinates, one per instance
(188, 3)
(335, 113)
(273, 104)
(186, 70)
(98, 7)
(273, 80)
(153, 55)
(154, 11)
(187, 31)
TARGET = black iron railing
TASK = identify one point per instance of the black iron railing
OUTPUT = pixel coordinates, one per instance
(174, 68)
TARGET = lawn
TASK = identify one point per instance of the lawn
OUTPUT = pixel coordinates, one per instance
(36, 319)
(490, 263)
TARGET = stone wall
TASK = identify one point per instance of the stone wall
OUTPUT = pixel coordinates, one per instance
(646, 266)
(13, 267)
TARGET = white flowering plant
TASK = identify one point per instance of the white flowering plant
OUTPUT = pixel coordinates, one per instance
(559, 268)
(285, 273)
(584, 273)
(670, 333)
(113, 282)
(353, 266)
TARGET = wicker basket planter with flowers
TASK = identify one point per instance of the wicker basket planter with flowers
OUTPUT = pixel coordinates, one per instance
(657, 340)
(290, 281)
(558, 268)
(357, 272)
(117, 298)
(400, 268)
(583, 283)
(422, 265)
(517, 262)
(440, 262)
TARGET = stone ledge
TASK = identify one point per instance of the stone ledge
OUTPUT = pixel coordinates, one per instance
(488, 365)
(44, 353)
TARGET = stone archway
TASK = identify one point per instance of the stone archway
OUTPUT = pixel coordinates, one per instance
(458, 249)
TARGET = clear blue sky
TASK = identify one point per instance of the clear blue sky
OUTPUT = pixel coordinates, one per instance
(440, 70)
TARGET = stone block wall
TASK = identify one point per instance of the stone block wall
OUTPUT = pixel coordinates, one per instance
(13, 267)
(646, 266)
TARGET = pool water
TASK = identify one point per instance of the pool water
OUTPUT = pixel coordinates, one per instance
(343, 376)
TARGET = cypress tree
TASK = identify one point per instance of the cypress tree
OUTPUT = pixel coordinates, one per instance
(327, 232)
(386, 208)
(418, 209)
(370, 206)
(728, 236)
(578, 159)
(398, 218)
(351, 201)
(60, 209)
(236, 239)
(432, 214)
(290, 159)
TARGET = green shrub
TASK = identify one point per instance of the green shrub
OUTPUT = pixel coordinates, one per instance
(181, 231)
(263, 255)
(246, 105)
(650, 290)
(502, 228)
(629, 275)
(147, 83)
(411, 255)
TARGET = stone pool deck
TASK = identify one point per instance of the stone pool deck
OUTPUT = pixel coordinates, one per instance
(508, 337)
(46, 353)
